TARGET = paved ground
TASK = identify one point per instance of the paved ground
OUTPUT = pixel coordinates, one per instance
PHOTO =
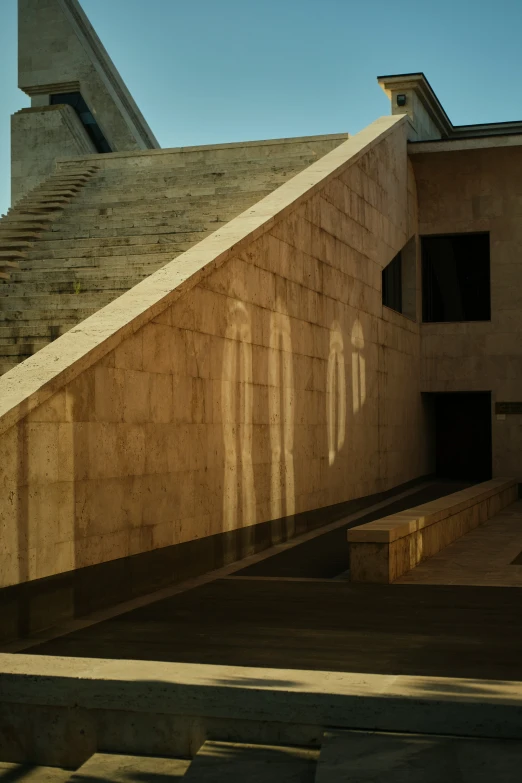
(483, 557)
(446, 631)
(302, 622)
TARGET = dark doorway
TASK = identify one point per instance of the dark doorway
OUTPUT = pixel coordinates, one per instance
(463, 435)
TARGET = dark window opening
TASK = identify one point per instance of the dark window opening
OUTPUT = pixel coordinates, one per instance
(392, 284)
(455, 278)
(92, 128)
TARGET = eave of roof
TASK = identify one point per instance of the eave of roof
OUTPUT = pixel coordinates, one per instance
(421, 86)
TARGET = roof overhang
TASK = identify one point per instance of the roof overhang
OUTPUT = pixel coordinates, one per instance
(420, 86)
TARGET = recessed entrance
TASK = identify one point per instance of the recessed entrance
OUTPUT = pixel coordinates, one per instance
(463, 435)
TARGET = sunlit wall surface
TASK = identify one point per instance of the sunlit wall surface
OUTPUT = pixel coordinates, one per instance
(277, 385)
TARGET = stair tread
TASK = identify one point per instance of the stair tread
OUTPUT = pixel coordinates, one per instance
(116, 768)
(34, 774)
(237, 763)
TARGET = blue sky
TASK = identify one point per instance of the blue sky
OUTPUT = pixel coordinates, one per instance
(204, 71)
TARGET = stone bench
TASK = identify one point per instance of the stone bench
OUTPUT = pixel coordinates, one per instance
(383, 550)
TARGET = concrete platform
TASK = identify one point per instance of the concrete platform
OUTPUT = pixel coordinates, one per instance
(484, 556)
(359, 757)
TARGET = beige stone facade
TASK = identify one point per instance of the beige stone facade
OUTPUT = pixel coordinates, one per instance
(468, 190)
(230, 362)
(277, 383)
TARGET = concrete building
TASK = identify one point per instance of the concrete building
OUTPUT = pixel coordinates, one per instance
(249, 332)
(209, 350)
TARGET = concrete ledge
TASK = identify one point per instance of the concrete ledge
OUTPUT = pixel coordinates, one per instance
(58, 711)
(383, 550)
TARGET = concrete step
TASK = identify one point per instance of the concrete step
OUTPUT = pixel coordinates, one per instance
(35, 204)
(139, 227)
(180, 191)
(59, 190)
(25, 773)
(182, 195)
(185, 168)
(217, 762)
(65, 276)
(105, 261)
(9, 352)
(181, 215)
(58, 301)
(116, 284)
(173, 206)
(73, 250)
(5, 366)
(113, 768)
(15, 243)
(11, 340)
(8, 234)
(44, 211)
(58, 315)
(46, 246)
(10, 254)
(187, 178)
(415, 758)
(80, 275)
(10, 226)
(34, 330)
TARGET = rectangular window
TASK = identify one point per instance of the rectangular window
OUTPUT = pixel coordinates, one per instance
(392, 284)
(455, 278)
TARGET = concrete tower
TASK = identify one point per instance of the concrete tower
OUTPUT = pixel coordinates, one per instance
(79, 102)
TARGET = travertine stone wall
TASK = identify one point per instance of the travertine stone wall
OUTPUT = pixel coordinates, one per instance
(479, 190)
(277, 384)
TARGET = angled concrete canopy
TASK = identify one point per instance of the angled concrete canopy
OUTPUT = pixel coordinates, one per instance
(59, 52)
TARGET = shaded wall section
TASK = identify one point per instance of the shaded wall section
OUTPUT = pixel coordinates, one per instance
(478, 190)
(264, 383)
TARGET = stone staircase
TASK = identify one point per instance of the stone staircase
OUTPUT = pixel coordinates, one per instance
(91, 232)
(24, 223)
(20, 230)
(344, 756)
